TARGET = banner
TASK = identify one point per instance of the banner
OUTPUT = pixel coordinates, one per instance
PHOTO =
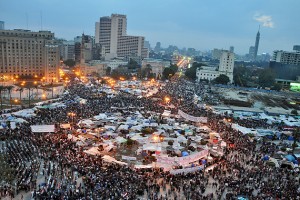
(128, 158)
(65, 126)
(182, 160)
(186, 170)
(42, 128)
(192, 118)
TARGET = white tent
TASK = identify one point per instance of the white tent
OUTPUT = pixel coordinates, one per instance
(181, 138)
(123, 127)
(152, 147)
(166, 113)
(25, 113)
(138, 127)
(100, 116)
(92, 151)
(86, 122)
(110, 159)
(120, 140)
(107, 127)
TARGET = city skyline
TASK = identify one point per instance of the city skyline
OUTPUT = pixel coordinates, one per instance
(192, 24)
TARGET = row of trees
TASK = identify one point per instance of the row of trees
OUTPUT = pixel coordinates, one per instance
(170, 71)
(253, 77)
(145, 72)
(242, 76)
(191, 72)
(30, 86)
(8, 88)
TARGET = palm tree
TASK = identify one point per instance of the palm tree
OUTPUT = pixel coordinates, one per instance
(21, 89)
(37, 90)
(2, 88)
(9, 89)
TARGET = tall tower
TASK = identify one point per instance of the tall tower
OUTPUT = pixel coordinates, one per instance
(256, 44)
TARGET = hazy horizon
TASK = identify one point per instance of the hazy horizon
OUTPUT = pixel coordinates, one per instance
(193, 23)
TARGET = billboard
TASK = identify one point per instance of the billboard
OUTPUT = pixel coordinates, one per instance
(295, 87)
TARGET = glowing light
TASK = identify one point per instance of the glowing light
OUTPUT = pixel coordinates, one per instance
(71, 114)
(167, 99)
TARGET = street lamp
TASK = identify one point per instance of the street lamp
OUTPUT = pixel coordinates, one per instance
(167, 99)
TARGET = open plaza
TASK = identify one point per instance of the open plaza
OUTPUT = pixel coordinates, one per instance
(133, 139)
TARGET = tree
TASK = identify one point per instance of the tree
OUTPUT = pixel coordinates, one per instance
(120, 72)
(69, 62)
(146, 71)
(9, 89)
(2, 88)
(20, 89)
(266, 78)
(152, 75)
(108, 71)
(191, 72)
(241, 76)
(294, 112)
(132, 64)
(168, 73)
(174, 68)
(222, 79)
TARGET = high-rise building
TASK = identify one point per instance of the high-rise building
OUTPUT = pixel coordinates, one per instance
(231, 49)
(147, 44)
(256, 44)
(111, 34)
(67, 50)
(227, 63)
(77, 52)
(251, 52)
(24, 53)
(157, 47)
(216, 53)
(86, 52)
(1, 25)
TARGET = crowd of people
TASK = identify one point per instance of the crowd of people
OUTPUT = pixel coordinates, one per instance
(53, 167)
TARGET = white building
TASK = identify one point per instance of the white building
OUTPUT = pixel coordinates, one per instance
(157, 65)
(225, 67)
(113, 64)
(286, 57)
(111, 33)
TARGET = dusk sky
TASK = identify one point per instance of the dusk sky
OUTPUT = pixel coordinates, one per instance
(200, 24)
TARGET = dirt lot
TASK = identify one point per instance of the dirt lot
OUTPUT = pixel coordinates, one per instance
(276, 101)
(246, 98)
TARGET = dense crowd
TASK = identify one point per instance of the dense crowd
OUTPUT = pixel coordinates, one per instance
(53, 167)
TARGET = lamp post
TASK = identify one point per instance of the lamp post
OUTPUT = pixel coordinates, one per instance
(36, 87)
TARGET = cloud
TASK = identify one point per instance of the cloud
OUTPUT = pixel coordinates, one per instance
(266, 20)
